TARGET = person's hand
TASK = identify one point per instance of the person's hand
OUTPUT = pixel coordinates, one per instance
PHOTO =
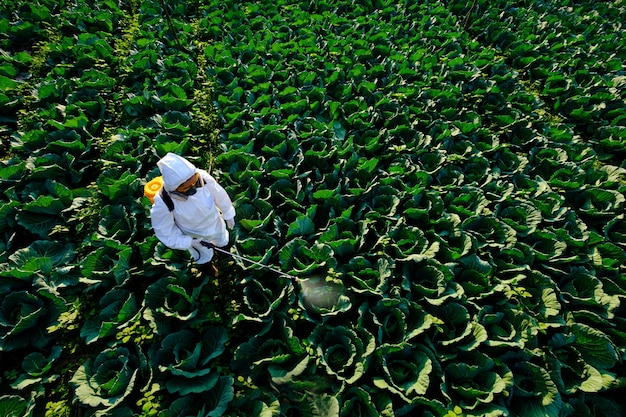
(230, 223)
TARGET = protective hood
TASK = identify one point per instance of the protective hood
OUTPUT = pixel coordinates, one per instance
(175, 170)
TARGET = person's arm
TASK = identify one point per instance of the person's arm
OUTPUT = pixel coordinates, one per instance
(165, 227)
(220, 196)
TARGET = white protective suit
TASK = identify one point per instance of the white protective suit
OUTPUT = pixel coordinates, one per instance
(198, 217)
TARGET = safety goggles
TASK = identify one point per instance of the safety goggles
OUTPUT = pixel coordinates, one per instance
(189, 187)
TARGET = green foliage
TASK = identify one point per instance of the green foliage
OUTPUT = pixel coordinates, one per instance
(14, 405)
(186, 361)
(445, 180)
(105, 380)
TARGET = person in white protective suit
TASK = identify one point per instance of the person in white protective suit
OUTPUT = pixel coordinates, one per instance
(191, 208)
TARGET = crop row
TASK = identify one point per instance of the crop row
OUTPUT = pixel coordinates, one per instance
(92, 93)
(566, 52)
(419, 167)
(444, 183)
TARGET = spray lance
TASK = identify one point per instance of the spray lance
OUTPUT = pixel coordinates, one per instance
(296, 282)
(243, 258)
(308, 286)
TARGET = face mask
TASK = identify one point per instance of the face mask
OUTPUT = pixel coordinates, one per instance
(192, 190)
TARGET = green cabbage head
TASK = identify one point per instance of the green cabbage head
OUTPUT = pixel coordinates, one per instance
(105, 380)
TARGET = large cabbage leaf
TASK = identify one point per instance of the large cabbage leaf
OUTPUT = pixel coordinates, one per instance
(118, 308)
(106, 379)
(408, 372)
(186, 360)
(212, 403)
(41, 257)
(38, 369)
(41, 215)
(596, 347)
(344, 352)
(117, 185)
(534, 393)
(16, 406)
(24, 314)
(474, 379)
(395, 321)
(276, 352)
(44, 205)
(430, 280)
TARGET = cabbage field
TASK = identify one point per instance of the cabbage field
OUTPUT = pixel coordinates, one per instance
(441, 183)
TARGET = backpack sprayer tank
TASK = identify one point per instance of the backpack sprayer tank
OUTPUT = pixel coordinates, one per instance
(152, 188)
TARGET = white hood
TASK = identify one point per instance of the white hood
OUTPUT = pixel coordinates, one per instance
(175, 170)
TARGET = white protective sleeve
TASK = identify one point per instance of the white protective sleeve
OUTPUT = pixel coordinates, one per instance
(222, 200)
(165, 228)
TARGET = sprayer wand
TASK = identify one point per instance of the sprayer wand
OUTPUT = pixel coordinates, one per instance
(243, 258)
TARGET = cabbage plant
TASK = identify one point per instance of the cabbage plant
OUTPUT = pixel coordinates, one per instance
(118, 308)
(38, 369)
(506, 326)
(323, 298)
(40, 259)
(185, 361)
(458, 329)
(408, 372)
(24, 314)
(106, 265)
(116, 223)
(569, 368)
(368, 275)
(430, 280)
(534, 393)
(358, 402)
(263, 297)
(276, 353)
(475, 381)
(171, 302)
(16, 406)
(344, 352)
(104, 381)
(395, 321)
(212, 403)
